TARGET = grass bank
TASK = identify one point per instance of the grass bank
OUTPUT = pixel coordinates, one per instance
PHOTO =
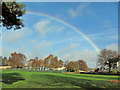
(25, 79)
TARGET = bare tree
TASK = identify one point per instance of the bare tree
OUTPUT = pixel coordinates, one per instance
(105, 57)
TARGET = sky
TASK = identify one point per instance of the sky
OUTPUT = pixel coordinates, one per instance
(43, 35)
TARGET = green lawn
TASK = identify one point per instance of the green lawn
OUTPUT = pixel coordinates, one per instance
(24, 79)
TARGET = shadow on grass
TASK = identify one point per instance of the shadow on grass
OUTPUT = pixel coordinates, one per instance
(60, 81)
(72, 81)
(10, 78)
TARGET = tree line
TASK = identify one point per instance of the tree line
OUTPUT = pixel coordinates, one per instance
(19, 60)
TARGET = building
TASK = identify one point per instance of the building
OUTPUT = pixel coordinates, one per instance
(4, 66)
(91, 69)
(62, 68)
(80, 71)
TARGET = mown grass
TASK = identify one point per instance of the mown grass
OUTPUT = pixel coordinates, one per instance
(24, 79)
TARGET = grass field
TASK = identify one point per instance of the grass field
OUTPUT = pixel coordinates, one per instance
(23, 79)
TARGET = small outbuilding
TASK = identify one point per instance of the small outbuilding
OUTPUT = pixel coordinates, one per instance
(4, 66)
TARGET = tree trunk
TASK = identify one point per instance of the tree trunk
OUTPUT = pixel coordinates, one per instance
(109, 67)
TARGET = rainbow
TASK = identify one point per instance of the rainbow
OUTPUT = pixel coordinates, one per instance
(68, 25)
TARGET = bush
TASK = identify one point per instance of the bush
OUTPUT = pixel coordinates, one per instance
(114, 71)
(74, 69)
(96, 70)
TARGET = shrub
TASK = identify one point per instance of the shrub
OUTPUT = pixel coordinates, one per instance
(96, 70)
(114, 71)
(74, 69)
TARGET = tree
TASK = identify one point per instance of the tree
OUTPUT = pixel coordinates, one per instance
(10, 61)
(30, 63)
(70, 66)
(36, 61)
(48, 61)
(36, 58)
(33, 63)
(40, 63)
(11, 15)
(54, 62)
(105, 57)
(4, 61)
(0, 60)
(60, 63)
(17, 60)
(76, 65)
(82, 65)
(66, 63)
